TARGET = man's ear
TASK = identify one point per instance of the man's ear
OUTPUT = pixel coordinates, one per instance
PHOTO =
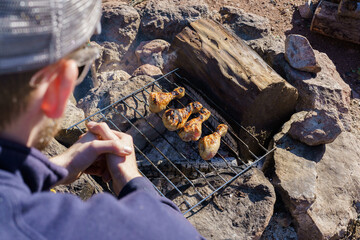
(61, 85)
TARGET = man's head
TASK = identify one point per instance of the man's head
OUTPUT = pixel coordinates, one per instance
(43, 46)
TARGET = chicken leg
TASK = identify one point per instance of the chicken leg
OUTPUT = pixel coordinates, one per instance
(210, 144)
(159, 100)
(175, 119)
(192, 129)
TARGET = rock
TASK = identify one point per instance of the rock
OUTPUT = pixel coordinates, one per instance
(53, 149)
(279, 228)
(71, 116)
(110, 57)
(152, 52)
(111, 92)
(318, 184)
(116, 75)
(84, 187)
(272, 50)
(120, 24)
(307, 9)
(315, 128)
(164, 19)
(300, 55)
(247, 26)
(241, 211)
(148, 70)
(325, 91)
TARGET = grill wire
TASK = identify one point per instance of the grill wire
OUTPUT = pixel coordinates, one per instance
(174, 186)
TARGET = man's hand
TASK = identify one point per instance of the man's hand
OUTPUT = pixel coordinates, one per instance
(87, 156)
(122, 168)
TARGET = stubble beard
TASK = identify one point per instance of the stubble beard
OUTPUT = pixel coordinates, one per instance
(51, 127)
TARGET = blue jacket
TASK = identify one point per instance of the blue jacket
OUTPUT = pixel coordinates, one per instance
(29, 211)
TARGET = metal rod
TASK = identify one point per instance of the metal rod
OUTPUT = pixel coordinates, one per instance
(228, 182)
(162, 154)
(137, 149)
(139, 90)
(207, 162)
(180, 153)
(156, 84)
(223, 112)
(152, 183)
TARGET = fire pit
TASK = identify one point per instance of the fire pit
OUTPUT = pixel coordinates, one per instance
(175, 167)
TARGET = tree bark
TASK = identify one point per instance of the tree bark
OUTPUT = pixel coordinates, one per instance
(326, 21)
(221, 65)
(349, 8)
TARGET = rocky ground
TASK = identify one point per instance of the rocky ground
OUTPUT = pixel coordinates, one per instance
(314, 172)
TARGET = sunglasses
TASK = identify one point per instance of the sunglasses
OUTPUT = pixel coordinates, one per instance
(84, 58)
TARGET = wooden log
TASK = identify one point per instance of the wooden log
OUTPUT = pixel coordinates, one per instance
(349, 8)
(236, 77)
(326, 21)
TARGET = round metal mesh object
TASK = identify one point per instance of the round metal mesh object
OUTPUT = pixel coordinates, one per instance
(36, 33)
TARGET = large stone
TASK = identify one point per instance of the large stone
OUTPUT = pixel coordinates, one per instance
(116, 75)
(315, 128)
(300, 55)
(307, 9)
(324, 91)
(320, 185)
(164, 19)
(110, 57)
(71, 116)
(279, 227)
(152, 52)
(111, 92)
(272, 50)
(53, 149)
(241, 211)
(84, 187)
(148, 70)
(247, 26)
(120, 24)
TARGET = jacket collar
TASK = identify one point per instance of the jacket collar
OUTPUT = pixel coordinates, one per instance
(35, 169)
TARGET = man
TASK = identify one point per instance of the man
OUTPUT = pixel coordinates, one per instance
(42, 51)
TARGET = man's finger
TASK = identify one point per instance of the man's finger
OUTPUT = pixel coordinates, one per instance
(110, 146)
(101, 129)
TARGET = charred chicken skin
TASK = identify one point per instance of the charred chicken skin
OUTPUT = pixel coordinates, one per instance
(159, 100)
(175, 119)
(192, 129)
(210, 144)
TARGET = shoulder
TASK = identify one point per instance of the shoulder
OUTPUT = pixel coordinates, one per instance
(138, 215)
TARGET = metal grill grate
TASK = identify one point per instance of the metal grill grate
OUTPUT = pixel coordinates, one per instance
(172, 165)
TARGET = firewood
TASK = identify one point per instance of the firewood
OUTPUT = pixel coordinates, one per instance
(349, 8)
(236, 77)
(326, 21)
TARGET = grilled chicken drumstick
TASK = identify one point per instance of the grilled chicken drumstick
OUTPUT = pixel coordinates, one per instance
(192, 129)
(210, 144)
(174, 119)
(159, 100)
